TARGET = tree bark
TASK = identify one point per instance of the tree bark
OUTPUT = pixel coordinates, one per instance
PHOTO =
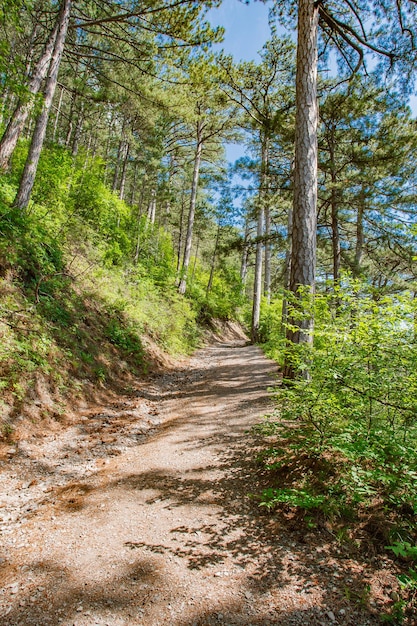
(286, 273)
(195, 260)
(142, 193)
(191, 215)
(303, 256)
(245, 256)
(152, 207)
(257, 284)
(180, 232)
(133, 185)
(360, 235)
(57, 114)
(29, 173)
(124, 171)
(267, 272)
(213, 261)
(334, 201)
(17, 122)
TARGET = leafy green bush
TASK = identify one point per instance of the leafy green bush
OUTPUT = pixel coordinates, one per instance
(358, 406)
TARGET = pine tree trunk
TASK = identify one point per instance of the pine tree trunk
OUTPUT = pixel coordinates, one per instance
(267, 274)
(245, 257)
(257, 285)
(29, 173)
(213, 261)
(117, 166)
(133, 185)
(334, 201)
(286, 272)
(152, 207)
(191, 215)
(180, 232)
(195, 260)
(18, 120)
(303, 256)
(360, 236)
(57, 114)
(137, 250)
(124, 171)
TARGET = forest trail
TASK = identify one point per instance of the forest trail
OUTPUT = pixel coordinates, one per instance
(140, 514)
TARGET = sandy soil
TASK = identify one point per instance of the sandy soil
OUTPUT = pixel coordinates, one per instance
(141, 513)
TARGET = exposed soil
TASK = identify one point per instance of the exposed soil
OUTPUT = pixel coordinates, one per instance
(140, 513)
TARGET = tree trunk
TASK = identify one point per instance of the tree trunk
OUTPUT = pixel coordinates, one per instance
(334, 202)
(124, 171)
(195, 260)
(213, 261)
(191, 215)
(245, 256)
(152, 207)
(57, 114)
(286, 273)
(303, 256)
(360, 235)
(257, 285)
(142, 193)
(133, 185)
(29, 173)
(180, 232)
(17, 122)
(267, 274)
(117, 165)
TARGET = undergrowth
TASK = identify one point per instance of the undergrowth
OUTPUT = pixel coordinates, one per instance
(86, 286)
(340, 450)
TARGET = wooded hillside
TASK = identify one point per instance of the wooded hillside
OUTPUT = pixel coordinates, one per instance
(124, 231)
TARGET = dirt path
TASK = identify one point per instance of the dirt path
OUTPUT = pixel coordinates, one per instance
(140, 515)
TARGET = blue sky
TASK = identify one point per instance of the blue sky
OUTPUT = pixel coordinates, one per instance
(247, 27)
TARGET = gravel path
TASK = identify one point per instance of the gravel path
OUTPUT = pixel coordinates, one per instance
(140, 514)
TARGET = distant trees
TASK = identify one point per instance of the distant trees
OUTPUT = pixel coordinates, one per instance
(265, 95)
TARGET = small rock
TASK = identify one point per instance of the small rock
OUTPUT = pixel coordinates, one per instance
(394, 596)
(331, 616)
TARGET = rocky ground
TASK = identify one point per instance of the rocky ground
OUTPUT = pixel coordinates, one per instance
(140, 512)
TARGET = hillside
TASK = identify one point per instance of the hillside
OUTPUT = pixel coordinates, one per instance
(80, 318)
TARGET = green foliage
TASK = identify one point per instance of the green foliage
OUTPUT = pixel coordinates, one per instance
(353, 419)
(294, 497)
(224, 301)
(270, 325)
(76, 302)
(404, 549)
